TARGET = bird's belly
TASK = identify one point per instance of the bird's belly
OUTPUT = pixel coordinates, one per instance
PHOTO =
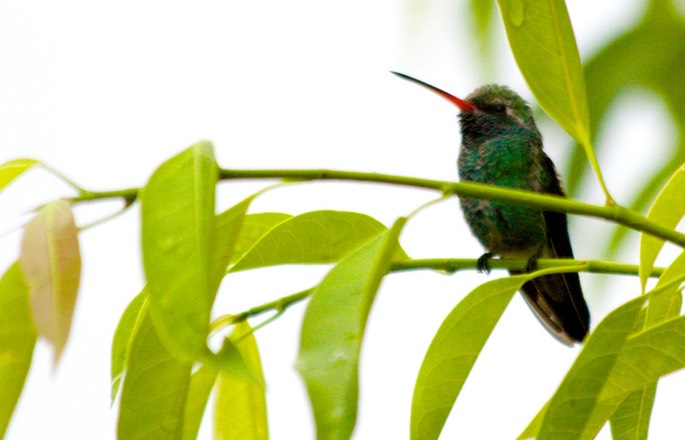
(509, 229)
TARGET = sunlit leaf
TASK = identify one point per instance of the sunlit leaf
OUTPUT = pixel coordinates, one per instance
(254, 228)
(155, 389)
(201, 384)
(228, 231)
(313, 237)
(631, 419)
(51, 263)
(240, 411)
(667, 210)
(332, 332)
(542, 41)
(13, 169)
(178, 236)
(17, 339)
(122, 340)
(453, 351)
(571, 407)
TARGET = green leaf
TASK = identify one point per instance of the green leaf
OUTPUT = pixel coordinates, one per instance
(255, 226)
(51, 263)
(571, 407)
(631, 419)
(229, 226)
(17, 339)
(537, 27)
(454, 350)
(313, 237)
(155, 390)
(13, 169)
(667, 210)
(201, 384)
(122, 340)
(240, 411)
(332, 332)
(178, 236)
(543, 44)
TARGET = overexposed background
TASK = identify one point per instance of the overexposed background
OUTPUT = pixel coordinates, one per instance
(105, 92)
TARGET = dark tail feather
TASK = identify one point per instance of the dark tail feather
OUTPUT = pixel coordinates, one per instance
(558, 302)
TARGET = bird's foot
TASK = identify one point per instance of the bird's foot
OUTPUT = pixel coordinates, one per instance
(483, 263)
(532, 264)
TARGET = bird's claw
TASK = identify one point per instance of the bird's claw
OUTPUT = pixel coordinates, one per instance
(483, 263)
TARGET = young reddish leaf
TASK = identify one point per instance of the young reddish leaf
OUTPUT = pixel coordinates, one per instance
(17, 339)
(51, 263)
(178, 236)
(240, 411)
(332, 332)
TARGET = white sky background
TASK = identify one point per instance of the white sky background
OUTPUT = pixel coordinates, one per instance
(105, 92)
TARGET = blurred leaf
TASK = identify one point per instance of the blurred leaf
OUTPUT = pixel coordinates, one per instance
(313, 237)
(51, 263)
(536, 27)
(13, 169)
(454, 350)
(178, 236)
(616, 68)
(155, 389)
(667, 210)
(572, 404)
(122, 340)
(332, 332)
(255, 226)
(240, 410)
(201, 384)
(17, 339)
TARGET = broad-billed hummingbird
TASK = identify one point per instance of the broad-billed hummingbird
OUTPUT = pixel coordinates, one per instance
(502, 146)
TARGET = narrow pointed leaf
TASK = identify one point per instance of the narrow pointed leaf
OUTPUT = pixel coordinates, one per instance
(155, 389)
(571, 407)
(51, 263)
(240, 411)
(667, 210)
(17, 339)
(453, 351)
(122, 340)
(544, 46)
(201, 384)
(332, 332)
(178, 236)
(13, 169)
(631, 419)
(313, 237)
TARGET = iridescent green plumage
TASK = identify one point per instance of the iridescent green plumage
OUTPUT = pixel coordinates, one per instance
(502, 146)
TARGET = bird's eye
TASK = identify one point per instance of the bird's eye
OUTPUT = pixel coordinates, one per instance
(498, 109)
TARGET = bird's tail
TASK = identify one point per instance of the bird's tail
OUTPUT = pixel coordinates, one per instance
(558, 302)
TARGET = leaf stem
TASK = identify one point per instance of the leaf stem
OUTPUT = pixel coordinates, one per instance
(448, 265)
(613, 213)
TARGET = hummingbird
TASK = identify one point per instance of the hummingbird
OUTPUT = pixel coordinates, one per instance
(502, 146)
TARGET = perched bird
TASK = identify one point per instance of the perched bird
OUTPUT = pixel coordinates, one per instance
(502, 146)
